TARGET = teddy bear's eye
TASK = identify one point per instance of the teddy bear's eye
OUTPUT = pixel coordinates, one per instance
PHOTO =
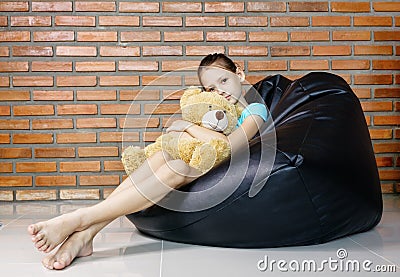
(209, 107)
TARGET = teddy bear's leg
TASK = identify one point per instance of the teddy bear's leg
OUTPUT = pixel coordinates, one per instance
(132, 158)
(222, 148)
(204, 157)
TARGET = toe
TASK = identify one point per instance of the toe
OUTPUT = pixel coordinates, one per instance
(48, 261)
(62, 261)
(44, 247)
(32, 229)
(40, 243)
(38, 237)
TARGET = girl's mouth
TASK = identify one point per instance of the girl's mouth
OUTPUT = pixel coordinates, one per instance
(228, 97)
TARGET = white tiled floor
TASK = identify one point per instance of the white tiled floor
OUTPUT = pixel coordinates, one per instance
(120, 250)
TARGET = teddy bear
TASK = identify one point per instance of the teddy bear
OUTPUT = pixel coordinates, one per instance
(206, 109)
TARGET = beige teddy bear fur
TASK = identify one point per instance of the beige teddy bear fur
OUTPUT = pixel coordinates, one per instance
(205, 109)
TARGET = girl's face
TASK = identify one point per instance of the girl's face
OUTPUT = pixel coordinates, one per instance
(223, 82)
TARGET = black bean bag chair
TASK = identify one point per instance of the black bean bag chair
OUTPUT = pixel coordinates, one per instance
(323, 183)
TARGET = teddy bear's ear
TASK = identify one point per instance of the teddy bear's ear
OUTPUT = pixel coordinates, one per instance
(192, 90)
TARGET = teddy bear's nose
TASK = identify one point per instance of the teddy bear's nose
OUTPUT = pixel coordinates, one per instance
(219, 115)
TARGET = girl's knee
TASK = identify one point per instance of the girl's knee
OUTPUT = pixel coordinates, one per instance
(176, 171)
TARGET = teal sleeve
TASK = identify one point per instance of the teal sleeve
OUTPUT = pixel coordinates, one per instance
(256, 109)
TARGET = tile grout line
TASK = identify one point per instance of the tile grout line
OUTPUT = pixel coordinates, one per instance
(373, 252)
(162, 248)
(4, 226)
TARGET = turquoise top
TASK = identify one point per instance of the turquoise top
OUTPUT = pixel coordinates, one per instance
(253, 108)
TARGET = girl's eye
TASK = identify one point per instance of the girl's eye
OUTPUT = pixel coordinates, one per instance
(224, 80)
(211, 89)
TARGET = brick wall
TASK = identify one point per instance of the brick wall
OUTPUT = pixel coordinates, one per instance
(69, 71)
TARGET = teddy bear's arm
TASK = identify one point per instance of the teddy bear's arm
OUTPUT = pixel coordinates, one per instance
(204, 134)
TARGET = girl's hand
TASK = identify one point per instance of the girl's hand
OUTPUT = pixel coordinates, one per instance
(179, 126)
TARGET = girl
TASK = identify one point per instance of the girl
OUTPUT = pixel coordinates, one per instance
(156, 177)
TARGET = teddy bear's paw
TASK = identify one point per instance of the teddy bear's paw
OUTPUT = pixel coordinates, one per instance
(204, 157)
(222, 148)
(132, 158)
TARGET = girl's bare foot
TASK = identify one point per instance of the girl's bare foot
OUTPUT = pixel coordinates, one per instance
(46, 235)
(79, 244)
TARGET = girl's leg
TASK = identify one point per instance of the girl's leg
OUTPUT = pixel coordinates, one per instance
(170, 175)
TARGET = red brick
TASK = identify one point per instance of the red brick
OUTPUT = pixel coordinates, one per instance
(289, 21)
(386, 35)
(36, 195)
(181, 7)
(169, 21)
(137, 7)
(55, 181)
(5, 138)
(370, 79)
(290, 51)
(36, 167)
(387, 92)
(179, 65)
(113, 166)
(162, 50)
(84, 194)
(6, 167)
(138, 66)
(184, 36)
(79, 166)
(308, 6)
(4, 81)
(14, 6)
(310, 36)
(194, 50)
(350, 64)
(32, 138)
(15, 36)
(351, 35)
(119, 51)
(75, 20)
(97, 36)
(103, 180)
(247, 50)
(15, 153)
(76, 51)
(13, 66)
(119, 136)
(389, 174)
(308, 64)
(3, 21)
(5, 110)
(16, 181)
(330, 20)
(56, 152)
(144, 94)
(386, 64)
(386, 6)
(139, 123)
(362, 92)
(4, 52)
(51, 66)
(33, 110)
(77, 109)
(96, 95)
(119, 80)
(12, 124)
(43, 124)
(14, 95)
(268, 36)
(95, 66)
(52, 6)
(384, 161)
(44, 51)
(331, 50)
(161, 108)
(6, 196)
(247, 21)
(96, 123)
(76, 81)
(119, 20)
(76, 137)
(223, 7)
(372, 21)
(266, 6)
(226, 36)
(151, 136)
(120, 109)
(141, 36)
(35, 21)
(83, 6)
(33, 81)
(204, 21)
(267, 65)
(386, 119)
(162, 80)
(373, 50)
(53, 95)
(376, 106)
(350, 7)
(97, 152)
(54, 36)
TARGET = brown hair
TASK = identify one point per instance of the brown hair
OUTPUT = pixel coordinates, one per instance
(218, 60)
